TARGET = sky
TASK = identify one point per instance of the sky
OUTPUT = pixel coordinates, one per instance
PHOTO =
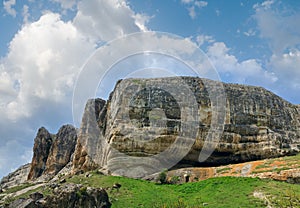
(45, 45)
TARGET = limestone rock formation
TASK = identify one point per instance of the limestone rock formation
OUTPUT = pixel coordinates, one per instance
(90, 137)
(15, 178)
(147, 123)
(52, 152)
(61, 149)
(41, 149)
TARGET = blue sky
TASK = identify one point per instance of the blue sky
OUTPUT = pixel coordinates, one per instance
(44, 44)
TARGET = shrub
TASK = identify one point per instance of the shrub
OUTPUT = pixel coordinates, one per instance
(162, 177)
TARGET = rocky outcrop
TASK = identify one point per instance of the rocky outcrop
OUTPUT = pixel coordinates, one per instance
(150, 124)
(41, 149)
(15, 178)
(61, 150)
(90, 147)
(67, 196)
(51, 153)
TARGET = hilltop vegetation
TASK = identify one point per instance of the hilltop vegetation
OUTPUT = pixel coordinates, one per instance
(214, 192)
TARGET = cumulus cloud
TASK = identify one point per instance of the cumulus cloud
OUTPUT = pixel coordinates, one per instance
(38, 73)
(8, 6)
(282, 32)
(202, 39)
(43, 60)
(232, 70)
(105, 20)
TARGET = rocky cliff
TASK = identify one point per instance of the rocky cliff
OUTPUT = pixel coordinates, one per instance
(150, 124)
(51, 153)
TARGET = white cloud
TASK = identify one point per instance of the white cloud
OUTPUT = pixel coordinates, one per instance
(281, 30)
(38, 73)
(250, 32)
(48, 51)
(244, 72)
(201, 4)
(8, 7)
(192, 12)
(202, 39)
(25, 13)
(286, 66)
(282, 33)
(106, 20)
(66, 4)
(264, 5)
(192, 5)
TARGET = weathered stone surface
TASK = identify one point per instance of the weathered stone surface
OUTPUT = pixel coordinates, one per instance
(52, 152)
(15, 178)
(41, 149)
(71, 195)
(67, 196)
(61, 150)
(89, 152)
(143, 118)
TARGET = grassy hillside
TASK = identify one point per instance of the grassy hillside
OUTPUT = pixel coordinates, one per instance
(225, 191)
(214, 192)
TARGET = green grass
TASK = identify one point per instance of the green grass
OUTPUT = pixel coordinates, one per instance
(216, 192)
(18, 188)
(223, 170)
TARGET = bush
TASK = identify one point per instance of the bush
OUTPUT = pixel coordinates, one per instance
(162, 177)
(175, 179)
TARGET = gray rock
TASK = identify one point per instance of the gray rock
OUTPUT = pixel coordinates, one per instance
(61, 149)
(41, 149)
(67, 196)
(36, 196)
(52, 152)
(138, 122)
(15, 178)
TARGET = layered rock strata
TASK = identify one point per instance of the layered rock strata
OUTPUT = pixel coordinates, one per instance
(150, 124)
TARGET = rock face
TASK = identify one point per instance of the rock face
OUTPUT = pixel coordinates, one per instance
(41, 149)
(67, 196)
(51, 153)
(90, 148)
(75, 196)
(148, 123)
(61, 150)
(15, 178)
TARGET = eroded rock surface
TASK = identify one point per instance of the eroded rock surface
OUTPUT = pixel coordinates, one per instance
(61, 149)
(15, 178)
(67, 196)
(143, 118)
(52, 152)
(41, 149)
